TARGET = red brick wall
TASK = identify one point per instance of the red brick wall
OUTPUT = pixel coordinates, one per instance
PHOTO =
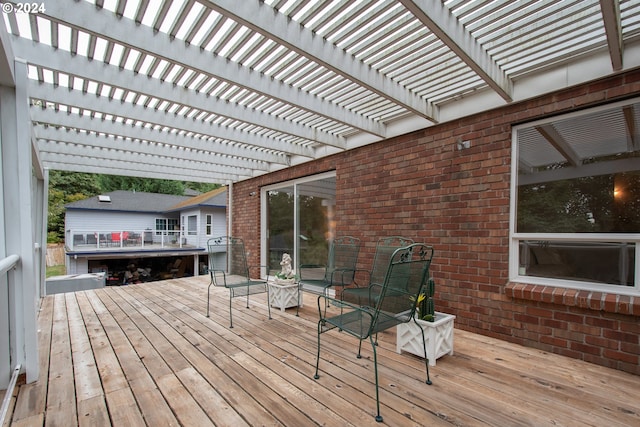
(419, 185)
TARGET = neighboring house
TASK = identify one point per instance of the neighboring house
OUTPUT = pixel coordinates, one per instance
(159, 235)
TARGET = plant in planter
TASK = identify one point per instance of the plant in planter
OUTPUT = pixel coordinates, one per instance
(425, 306)
(437, 328)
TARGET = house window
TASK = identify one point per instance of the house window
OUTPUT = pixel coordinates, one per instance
(192, 225)
(576, 200)
(209, 224)
(165, 225)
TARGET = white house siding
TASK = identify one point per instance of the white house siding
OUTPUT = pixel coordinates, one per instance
(77, 265)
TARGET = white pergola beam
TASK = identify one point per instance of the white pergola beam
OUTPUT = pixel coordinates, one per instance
(127, 148)
(613, 30)
(91, 157)
(85, 101)
(71, 165)
(273, 25)
(40, 55)
(125, 136)
(124, 31)
(434, 15)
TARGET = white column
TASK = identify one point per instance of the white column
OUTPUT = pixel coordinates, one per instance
(19, 225)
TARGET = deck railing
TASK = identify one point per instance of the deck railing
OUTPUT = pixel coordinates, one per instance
(6, 264)
(88, 240)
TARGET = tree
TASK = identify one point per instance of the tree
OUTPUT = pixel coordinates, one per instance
(162, 186)
(66, 187)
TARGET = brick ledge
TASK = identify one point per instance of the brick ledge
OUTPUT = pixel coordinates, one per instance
(593, 300)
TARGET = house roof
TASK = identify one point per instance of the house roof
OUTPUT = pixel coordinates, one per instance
(224, 90)
(214, 198)
(130, 201)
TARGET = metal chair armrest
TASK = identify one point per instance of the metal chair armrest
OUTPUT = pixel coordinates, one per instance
(342, 304)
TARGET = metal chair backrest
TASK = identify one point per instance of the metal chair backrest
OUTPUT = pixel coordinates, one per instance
(233, 273)
(405, 279)
(343, 257)
(236, 261)
(385, 247)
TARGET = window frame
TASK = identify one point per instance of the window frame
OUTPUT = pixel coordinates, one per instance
(192, 220)
(164, 223)
(515, 275)
(208, 224)
(161, 226)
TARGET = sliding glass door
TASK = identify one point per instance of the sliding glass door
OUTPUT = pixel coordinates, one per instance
(298, 219)
(280, 225)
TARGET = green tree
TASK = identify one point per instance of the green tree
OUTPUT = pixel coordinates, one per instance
(66, 187)
(109, 183)
(74, 183)
(201, 187)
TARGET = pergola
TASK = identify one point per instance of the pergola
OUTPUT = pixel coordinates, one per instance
(221, 91)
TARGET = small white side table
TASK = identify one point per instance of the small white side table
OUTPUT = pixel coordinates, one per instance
(284, 296)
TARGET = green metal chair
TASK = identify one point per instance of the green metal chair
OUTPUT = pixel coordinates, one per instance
(405, 276)
(228, 267)
(339, 270)
(385, 247)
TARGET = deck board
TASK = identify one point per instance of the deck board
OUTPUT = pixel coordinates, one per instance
(147, 355)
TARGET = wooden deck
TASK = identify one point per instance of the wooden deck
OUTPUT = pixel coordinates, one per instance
(147, 355)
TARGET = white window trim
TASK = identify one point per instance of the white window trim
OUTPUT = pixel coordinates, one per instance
(208, 224)
(515, 238)
(191, 232)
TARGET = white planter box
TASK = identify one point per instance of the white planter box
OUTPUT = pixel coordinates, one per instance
(438, 336)
(284, 294)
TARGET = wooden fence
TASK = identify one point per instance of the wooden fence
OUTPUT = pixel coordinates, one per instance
(55, 254)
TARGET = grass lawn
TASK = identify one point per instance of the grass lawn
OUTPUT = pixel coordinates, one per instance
(56, 270)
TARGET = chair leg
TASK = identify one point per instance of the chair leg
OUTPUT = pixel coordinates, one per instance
(268, 302)
(230, 313)
(375, 370)
(426, 357)
(316, 376)
(359, 356)
(208, 296)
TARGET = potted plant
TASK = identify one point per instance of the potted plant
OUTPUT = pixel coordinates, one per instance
(437, 327)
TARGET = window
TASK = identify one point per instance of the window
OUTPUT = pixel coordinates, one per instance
(209, 224)
(192, 225)
(165, 225)
(576, 199)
